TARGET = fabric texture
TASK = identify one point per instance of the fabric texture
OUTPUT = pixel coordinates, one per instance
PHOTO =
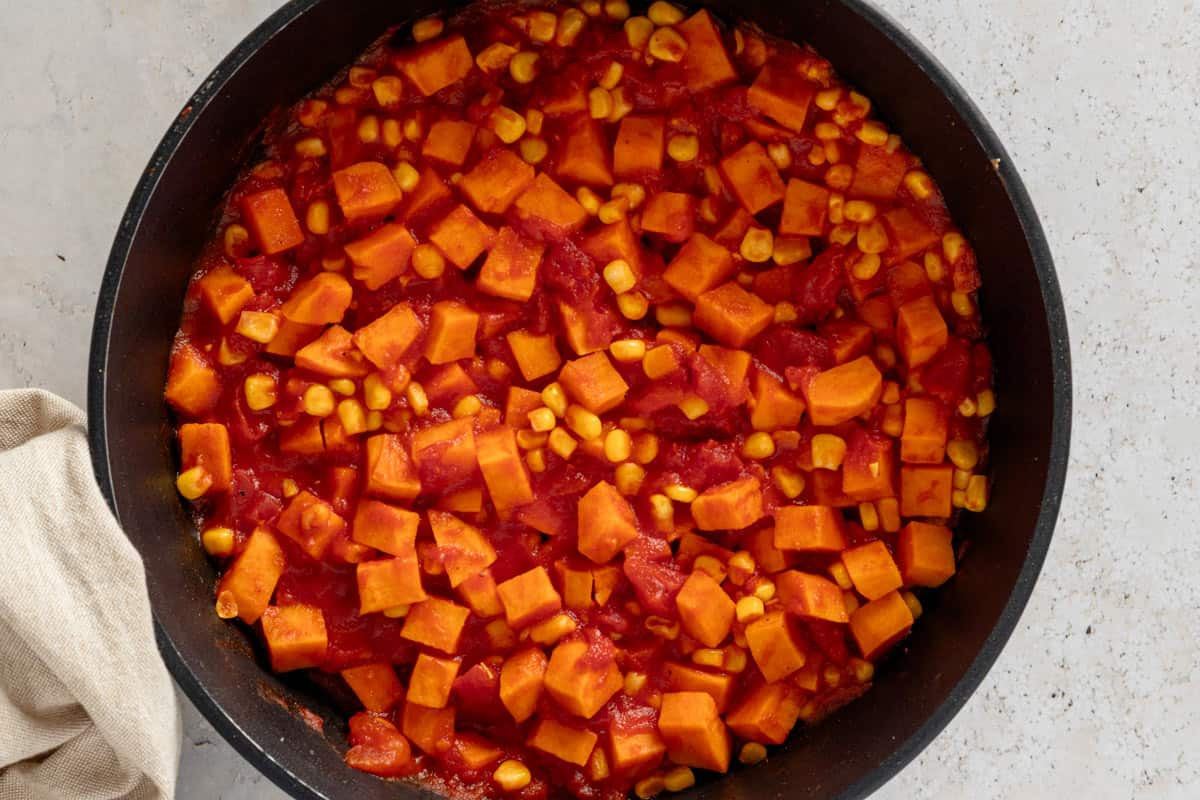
(87, 709)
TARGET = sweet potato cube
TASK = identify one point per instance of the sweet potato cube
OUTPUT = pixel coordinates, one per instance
(872, 570)
(753, 177)
(594, 383)
(782, 94)
(571, 745)
(907, 233)
(320, 300)
(296, 637)
(207, 445)
(731, 315)
(671, 215)
(869, 469)
(479, 593)
(805, 208)
(452, 329)
(536, 356)
(706, 64)
(582, 681)
(436, 64)
(390, 473)
(445, 453)
(615, 240)
(923, 438)
(700, 265)
(848, 339)
(583, 155)
(767, 714)
(521, 680)
(518, 404)
(503, 469)
(773, 406)
(584, 328)
(547, 212)
(920, 331)
(311, 523)
(528, 598)
(464, 550)
(430, 193)
(476, 751)
(449, 141)
(877, 173)
(496, 181)
(435, 623)
(304, 438)
(604, 582)
(880, 623)
(192, 384)
(365, 190)
(381, 255)
(809, 529)
(693, 730)
(704, 609)
(729, 506)
(925, 490)
(638, 152)
(447, 383)
(734, 366)
(462, 236)
(223, 292)
(606, 523)
(333, 353)
(431, 681)
(776, 648)
(292, 336)
(577, 588)
(718, 685)
(925, 554)
(385, 527)
(430, 729)
(843, 392)
(385, 583)
(270, 217)
(375, 685)
(511, 267)
(769, 558)
(633, 750)
(252, 576)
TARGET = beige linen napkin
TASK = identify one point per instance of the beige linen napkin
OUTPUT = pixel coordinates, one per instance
(87, 710)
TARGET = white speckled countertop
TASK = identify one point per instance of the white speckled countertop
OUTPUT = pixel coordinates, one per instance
(1097, 693)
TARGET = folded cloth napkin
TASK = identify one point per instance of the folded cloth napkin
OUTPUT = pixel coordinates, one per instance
(87, 709)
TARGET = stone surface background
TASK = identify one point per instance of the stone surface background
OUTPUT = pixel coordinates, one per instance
(1098, 102)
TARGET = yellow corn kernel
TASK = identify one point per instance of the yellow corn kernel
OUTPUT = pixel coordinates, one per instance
(622, 105)
(850, 602)
(953, 246)
(741, 567)
(388, 90)
(935, 267)
(683, 147)
(963, 453)
(235, 238)
(390, 133)
(735, 659)
(659, 362)
(593, 8)
(619, 276)
(290, 488)
(368, 129)
(374, 420)
(790, 250)
(533, 121)
(757, 245)
(530, 439)
(523, 67)
(958, 498)
(425, 29)
(599, 102)
(749, 609)
(598, 767)
(914, 604)
(961, 303)
(316, 219)
(765, 591)
(645, 447)
(961, 479)
(561, 443)
(708, 657)
(318, 401)
(633, 305)
(648, 787)
(661, 507)
(758, 446)
(534, 150)
(376, 394)
(666, 44)
(629, 478)
(840, 576)
(590, 201)
(414, 131)
(827, 99)
(635, 682)
(681, 494)
(542, 26)
(542, 420)
(693, 407)
(866, 267)
(967, 407)
(218, 541)
(194, 482)
(977, 493)
(872, 237)
(868, 516)
(985, 403)
(536, 460)
(827, 131)
(260, 391)
(891, 393)
(889, 514)
(507, 124)
(780, 155)
(352, 415)
(468, 406)
(663, 13)
(678, 779)
(617, 445)
(752, 753)
(828, 451)
(788, 481)
(638, 31)
(785, 312)
(615, 9)
(343, 386)
(839, 178)
(227, 607)
(612, 76)
(570, 25)
(406, 176)
(553, 629)
(418, 401)
(613, 210)
(919, 184)
(832, 676)
(512, 776)
(634, 193)
(873, 133)
(428, 261)
(310, 147)
(555, 399)
(584, 423)
(710, 565)
(662, 627)
(627, 351)
(860, 210)
(674, 315)
(348, 95)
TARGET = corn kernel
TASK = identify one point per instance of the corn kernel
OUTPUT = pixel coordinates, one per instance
(741, 567)
(681, 494)
(535, 459)
(693, 407)
(592, 8)
(663, 13)
(674, 315)
(617, 445)
(562, 443)
(374, 420)
(352, 416)
(534, 150)
(919, 184)
(218, 541)
(584, 423)
(612, 76)
(963, 453)
(666, 44)
(318, 401)
(388, 90)
(850, 602)
(840, 576)
(616, 9)
(570, 25)
(889, 514)
(635, 682)
(862, 670)
(553, 629)
(953, 246)
(629, 478)
(678, 779)
(613, 210)
(468, 406)
(418, 401)
(683, 147)
(598, 767)
(752, 753)
(406, 176)
(260, 391)
(860, 211)
(662, 627)
(891, 393)
(542, 26)
(839, 178)
(508, 125)
(977, 493)
(235, 239)
(512, 776)
(914, 604)
(414, 131)
(542, 420)
(425, 29)
(765, 591)
(290, 488)
(622, 105)
(638, 31)
(868, 516)
(377, 395)
(816, 156)
(648, 787)
(788, 481)
(961, 303)
(368, 129)
(628, 351)
(758, 446)
(872, 133)
(310, 147)
(194, 482)
(757, 245)
(872, 237)
(619, 276)
(711, 566)
(633, 305)
(343, 386)
(661, 507)
(645, 447)
(828, 451)
(523, 67)
(708, 657)
(749, 609)
(529, 439)
(428, 261)
(599, 102)
(555, 399)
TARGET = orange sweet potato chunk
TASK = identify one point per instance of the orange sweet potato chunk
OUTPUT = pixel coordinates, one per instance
(291, 337)
(192, 384)
(877, 173)
(303, 438)
(907, 233)
(920, 331)
(223, 292)
(528, 598)
(375, 685)
(496, 181)
(521, 681)
(585, 329)
(847, 338)
(387, 340)
(684, 678)
(767, 714)
(782, 94)
(615, 240)
(810, 529)
(332, 353)
(923, 438)
(382, 255)
(449, 141)
(693, 730)
(869, 471)
(582, 681)
(435, 623)
(252, 576)
(776, 648)
(366, 189)
(606, 523)
(583, 155)
(564, 742)
(436, 64)
(805, 209)
(476, 751)
(671, 215)
(207, 445)
(536, 355)
(385, 583)
(296, 637)
(880, 623)
(925, 490)
(503, 469)
(390, 473)
(431, 680)
(638, 151)
(547, 211)
(446, 452)
(729, 506)
(385, 527)
(753, 177)
(519, 402)
(447, 383)
(311, 523)
(773, 407)
(430, 729)
(769, 558)
(925, 554)
(320, 300)
(872, 569)
(511, 268)
(462, 236)
(807, 595)
(452, 329)
(594, 383)
(731, 315)
(431, 193)
(479, 592)
(634, 750)
(699, 266)
(734, 366)
(706, 64)
(843, 392)
(704, 609)
(270, 217)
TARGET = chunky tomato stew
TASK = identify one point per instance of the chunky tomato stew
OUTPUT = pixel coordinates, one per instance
(581, 397)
